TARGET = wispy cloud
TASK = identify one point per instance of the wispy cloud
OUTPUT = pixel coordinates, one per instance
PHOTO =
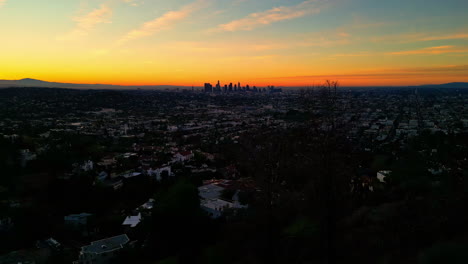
(257, 45)
(87, 22)
(419, 37)
(273, 15)
(432, 50)
(132, 2)
(2, 2)
(395, 73)
(164, 22)
(222, 47)
(446, 37)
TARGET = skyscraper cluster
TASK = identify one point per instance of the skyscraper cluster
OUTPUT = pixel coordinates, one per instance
(229, 88)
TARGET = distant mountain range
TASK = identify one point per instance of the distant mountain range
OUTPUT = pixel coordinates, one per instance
(38, 83)
(457, 85)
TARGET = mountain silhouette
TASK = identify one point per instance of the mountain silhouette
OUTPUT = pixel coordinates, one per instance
(29, 82)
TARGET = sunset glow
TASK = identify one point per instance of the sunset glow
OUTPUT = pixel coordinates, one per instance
(262, 42)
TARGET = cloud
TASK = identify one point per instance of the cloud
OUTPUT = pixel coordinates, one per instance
(221, 48)
(446, 37)
(131, 2)
(164, 22)
(2, 2)
(273, 15)
(400, 73)
(87, 22)
(419, 37)
(431, 50)
(261, 45)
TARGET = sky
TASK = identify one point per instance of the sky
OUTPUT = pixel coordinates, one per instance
(257, 42)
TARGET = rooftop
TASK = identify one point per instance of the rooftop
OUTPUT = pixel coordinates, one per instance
(210, 191)
(132, 220)
(108, 244)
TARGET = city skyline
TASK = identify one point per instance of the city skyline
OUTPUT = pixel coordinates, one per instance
(285, 43)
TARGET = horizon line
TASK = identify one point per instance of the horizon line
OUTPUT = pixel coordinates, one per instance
(313, 85)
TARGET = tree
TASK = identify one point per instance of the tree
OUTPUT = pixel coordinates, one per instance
(178, 226)
(330, 187)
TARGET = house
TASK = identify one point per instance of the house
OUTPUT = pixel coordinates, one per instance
(216, 207)
(86, 166)
(102, 251)
(210, 191)
(50, 243)
(210, 201)
(148, 205)
(158, 171)
(131, 175)
(132, 221)
(183, 156)
(381, 175)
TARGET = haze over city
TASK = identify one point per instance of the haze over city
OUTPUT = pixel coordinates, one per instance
(189, 42)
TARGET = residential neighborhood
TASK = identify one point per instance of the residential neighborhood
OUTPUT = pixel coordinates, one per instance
(96, 169)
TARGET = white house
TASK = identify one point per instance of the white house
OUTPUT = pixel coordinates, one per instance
(87, 165)
(381, 175)
(210, 202)
(158, 171)
(132, 220)
(215, 207)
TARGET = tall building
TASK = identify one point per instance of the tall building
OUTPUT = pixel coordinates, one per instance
(218, 86)
(208, 88)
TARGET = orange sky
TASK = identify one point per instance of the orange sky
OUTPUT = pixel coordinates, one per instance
(261, 42)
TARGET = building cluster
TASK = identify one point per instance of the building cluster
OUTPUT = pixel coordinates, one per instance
(156, 136)
(230, 88)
